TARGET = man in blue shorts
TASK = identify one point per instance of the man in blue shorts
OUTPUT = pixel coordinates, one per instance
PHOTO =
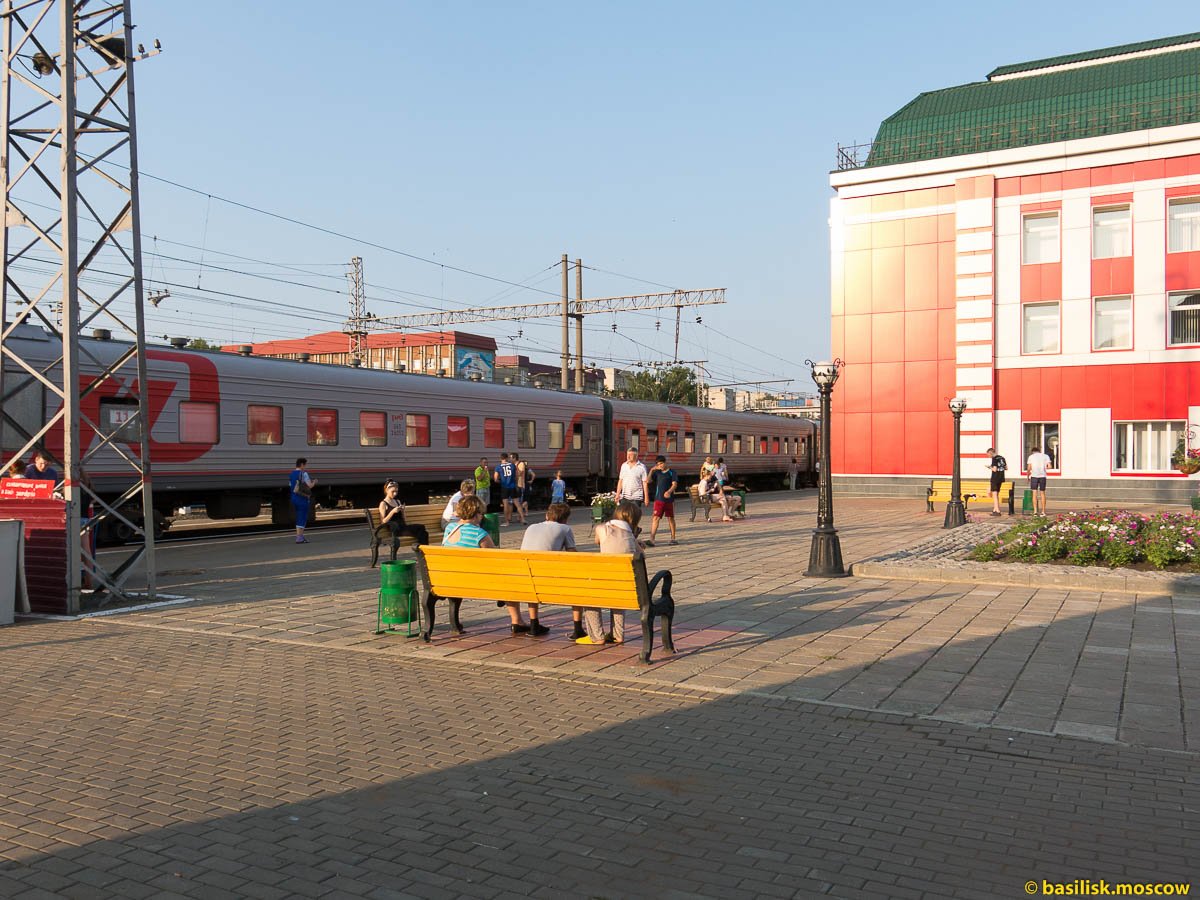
(506, 477)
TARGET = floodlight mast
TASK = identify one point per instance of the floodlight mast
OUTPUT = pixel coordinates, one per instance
(68, 132)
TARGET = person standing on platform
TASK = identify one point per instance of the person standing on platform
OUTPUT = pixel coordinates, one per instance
(793, 471)
(40, 469)
(633, 481)
(997, 467)
(302, 484)
(722, 472)
(506, 476)
(663, 484)
(558, 489)
(525, 476)
(1038, 463)
(483, 483)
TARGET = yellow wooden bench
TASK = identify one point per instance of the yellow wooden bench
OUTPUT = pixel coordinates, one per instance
(939, 490)
(429, 515)
(590, 580)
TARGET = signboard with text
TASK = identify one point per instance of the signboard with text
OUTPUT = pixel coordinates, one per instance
(25, 489)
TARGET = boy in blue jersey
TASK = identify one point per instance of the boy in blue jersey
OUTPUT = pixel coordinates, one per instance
(506, 477)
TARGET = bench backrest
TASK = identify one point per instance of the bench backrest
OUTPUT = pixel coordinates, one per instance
(940, 485)
(527, 576)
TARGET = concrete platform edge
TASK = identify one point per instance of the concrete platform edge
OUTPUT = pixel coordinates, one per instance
(1033, 576)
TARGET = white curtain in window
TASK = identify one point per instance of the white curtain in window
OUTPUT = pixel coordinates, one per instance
(1111, 233)
(1183, 226)
(1040, 327)
(1112, 327)
(1145, 446)
(1040, 239)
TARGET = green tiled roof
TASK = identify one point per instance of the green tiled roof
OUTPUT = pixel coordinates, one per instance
(1119, 50)
(1106, 98)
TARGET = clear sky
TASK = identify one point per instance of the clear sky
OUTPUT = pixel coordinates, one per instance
(687, 144)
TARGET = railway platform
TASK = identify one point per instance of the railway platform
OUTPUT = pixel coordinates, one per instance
(852, 737)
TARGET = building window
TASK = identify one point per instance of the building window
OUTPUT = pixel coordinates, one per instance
(1040, 327)
(416, 428)
(577, 436)
(322, 427)
(722, 445)
(737, 443)
(198, 423)
(689, 442)
(1184, 315)
(264, 424)
(1039, 238)
(526, 434)
(458, 431)
(1112, 232)
(672, 442)
(1041, 436)
(1146, 446)
(557, 433)
(493, 433)
(1183, 225)
(372, 429)
(1112, 323)
(652, 441)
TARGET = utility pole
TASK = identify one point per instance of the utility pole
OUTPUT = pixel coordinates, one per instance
(579, 381)
(68, 106)
(678, 310)
(358, 312)
(564, 382)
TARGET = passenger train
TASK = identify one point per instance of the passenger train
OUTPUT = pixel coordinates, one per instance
(226, 429)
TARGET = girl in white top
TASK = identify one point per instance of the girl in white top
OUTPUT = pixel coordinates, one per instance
(450, 514)
(616, 536)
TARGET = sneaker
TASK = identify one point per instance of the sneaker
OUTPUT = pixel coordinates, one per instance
(995, 513)
(520, 629)
(537, 629)
(649, 543)
(673, 542)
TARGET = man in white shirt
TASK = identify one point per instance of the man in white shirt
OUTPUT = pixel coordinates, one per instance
(1038, 463)
(633, 482)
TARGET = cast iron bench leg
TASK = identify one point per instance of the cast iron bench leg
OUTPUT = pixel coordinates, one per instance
(374, 551)
(431, 600)
(663, 607)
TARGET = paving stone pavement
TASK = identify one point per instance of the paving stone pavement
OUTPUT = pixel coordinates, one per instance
(1106, 666)
(155, 762)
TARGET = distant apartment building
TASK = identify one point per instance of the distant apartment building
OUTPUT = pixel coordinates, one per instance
(520, 370)
(1030, 243)
(451, 354)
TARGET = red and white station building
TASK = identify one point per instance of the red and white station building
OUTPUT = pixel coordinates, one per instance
(1030, 243)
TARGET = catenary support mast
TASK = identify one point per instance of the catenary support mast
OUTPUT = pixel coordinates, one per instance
(70, 182)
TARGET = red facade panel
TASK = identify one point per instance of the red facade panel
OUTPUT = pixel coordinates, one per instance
(887, 337)
(921, 334)
(921, 386)
(887, 387)
(887, 429)
(857, 444)
(920, 443)
(887, 278)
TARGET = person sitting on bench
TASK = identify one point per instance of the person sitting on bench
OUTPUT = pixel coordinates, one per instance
(391, 514)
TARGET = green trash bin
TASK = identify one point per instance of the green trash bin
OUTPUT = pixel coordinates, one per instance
(398, 597)
(742, 505)
(1027, 503)
(491, 524)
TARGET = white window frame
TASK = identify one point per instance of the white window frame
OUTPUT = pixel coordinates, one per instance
(1100, 231)
(1026, 448)
(1183, 227)
(1096, 302)
(1041, 304)
(1172, 299)
(1163, 446)
(1027, 233)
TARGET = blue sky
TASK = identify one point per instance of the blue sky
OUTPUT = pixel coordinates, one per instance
(683, 144)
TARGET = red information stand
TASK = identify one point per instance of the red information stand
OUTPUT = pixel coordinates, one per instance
(45, 539)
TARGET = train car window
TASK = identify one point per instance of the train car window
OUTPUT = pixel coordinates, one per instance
(748, 443)
(652, 441)
(577, 436)
(416, 426)
(557, 435)
(621, 441)
(372, 429)
(458, 431)
(493, 433)
(264, 424)
(722, 444)
(775, 446)
(198, 423)
(117, 419)
(762, 445)
(635, 439)
(526, 434)
(689, 442)
(322, 427)
(737, 443)
(672, 442)
(707, 443)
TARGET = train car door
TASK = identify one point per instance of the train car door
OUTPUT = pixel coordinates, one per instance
(594, 448)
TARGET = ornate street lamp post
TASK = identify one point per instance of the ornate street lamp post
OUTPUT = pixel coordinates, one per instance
(825, 558)
(956, 514)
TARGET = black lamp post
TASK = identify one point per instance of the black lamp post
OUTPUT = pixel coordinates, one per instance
(956, 513)
(825, 558)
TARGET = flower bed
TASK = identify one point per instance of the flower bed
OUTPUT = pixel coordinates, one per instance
(1111, 538)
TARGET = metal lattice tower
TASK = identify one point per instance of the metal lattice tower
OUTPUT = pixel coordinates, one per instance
(70, 181)
(358, 312)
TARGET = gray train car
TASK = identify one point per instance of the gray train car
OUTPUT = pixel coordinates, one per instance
(225, 429)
